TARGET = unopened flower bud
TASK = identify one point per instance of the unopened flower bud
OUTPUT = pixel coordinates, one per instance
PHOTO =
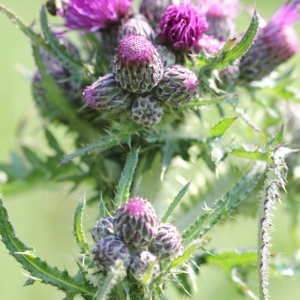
(103, 228)
(109, 249)
(168, 57)
(137, 65)
(136, 223)
(276, 43)
(146, 111)
(106, 94)
(177, 86)
(167, 242)
(137, 25)
(141, 263)
(154, 9)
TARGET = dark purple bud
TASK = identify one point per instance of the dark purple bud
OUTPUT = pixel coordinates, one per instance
(141, 263)
(103, 228)
(107, 95)
(146, 111)
(167, 243)
(177, 86)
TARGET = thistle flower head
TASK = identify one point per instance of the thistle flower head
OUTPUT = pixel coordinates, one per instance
(141, 263)
(105, 94)
(167, 243)
(136, 25)
(209, 44)
(137, 65)
(109, 249)
(146, 111)
(103, 228)
(220, 15)
(154, 9)
(135, 222)
(276, 43)
(92, 15)
(182, 26)
(177, 86)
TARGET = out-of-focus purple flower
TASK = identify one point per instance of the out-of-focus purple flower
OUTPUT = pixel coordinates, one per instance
(221, 14)
(209, 44)
(92, 15)
(183, 26)
(154, 9)
(276, 43)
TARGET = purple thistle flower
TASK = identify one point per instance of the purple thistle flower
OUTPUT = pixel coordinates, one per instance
(220, 15)
(103, 228)
(209, 44)
(137, 65)
(135, 222)
(182, 26)
(92, 15)
(276, 43)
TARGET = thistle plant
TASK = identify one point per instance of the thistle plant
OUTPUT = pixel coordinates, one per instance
(174, 123)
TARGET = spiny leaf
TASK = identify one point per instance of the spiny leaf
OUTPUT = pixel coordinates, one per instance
(228, 57)
(186, 255)
(224, 205)
(104, 143)
(123, 188)
(215, 100)
(37, 267)
(34, 37)
(175, 202)
(277, 140)
(78, 227)
(256, 155)
(219, 129)
(60, 50)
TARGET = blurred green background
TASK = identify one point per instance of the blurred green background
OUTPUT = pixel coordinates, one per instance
(43, 216)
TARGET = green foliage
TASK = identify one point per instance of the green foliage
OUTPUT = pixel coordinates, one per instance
(38, 269)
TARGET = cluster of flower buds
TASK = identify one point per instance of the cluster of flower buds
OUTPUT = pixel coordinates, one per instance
(136, 237)
(145, 75)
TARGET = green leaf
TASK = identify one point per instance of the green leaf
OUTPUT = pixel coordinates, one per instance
(52, 142)
(175, 202)
(39, 268)
(32, 158)
(225, 205)
(231, 259)
(123, 188)
(60, 50)
(104, 143)
(78, 227)
(228, 57)
(219, 129)
(34, 37)
(102, 209)
(256, 155)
